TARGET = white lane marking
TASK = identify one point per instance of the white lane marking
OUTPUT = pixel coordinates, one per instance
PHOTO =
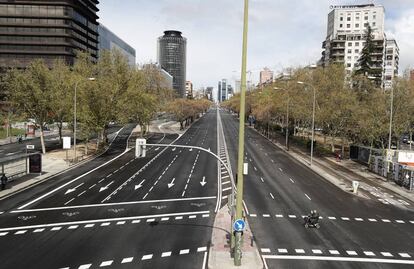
(179, 217)
(205, 261)
(21, 232)
(166, 254)
(184, 251)
(85, 266)
(292, 180)
(344, 218)
(127, 260)
(253, 215)
(73, 227)
(386, 220)
(359, 219)
(271, 195)
(201, 249)
(255, 169)
(105, 224)
(334, 252)
(164, 219)
(225, 177)
(351, 253)
(404, 255)
(106, 263)
(292, 216)
(307, 196)
(265, 250)
(39, 230)
(89, 225)
(262, 180)
(346, 259)
(56, 228)
(136, 221)
(387, 254)
(81, 193)
(70, 182)
(272, 161)
(114, 204)
(147, 257)
(227, 189)
(120, 222)
(316, 251)
(372, 220)
(92, 186)
(192, 217)
(369, 253)
(226, 182)
(69, 201)
(134, 218)
(205, 215)
(150, 220)
(266, 216)
(282, 250)
(400, 221)
(281, 170)
(299, 250)
(332, 218)
(279, 216)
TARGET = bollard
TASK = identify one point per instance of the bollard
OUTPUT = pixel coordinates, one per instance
(355, 185)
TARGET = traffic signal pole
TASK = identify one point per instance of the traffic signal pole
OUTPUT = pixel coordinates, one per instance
(240, 161)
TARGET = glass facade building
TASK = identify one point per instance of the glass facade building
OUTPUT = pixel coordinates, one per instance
(109, 41)
(172, 53)
(46, 29)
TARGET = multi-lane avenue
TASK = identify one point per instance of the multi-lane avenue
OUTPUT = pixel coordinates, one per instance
(118, 211)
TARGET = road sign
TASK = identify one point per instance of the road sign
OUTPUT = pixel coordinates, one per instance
(30, 147)
(66, 142)
(239, 225)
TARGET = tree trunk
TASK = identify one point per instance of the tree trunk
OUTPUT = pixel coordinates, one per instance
(42, 140)
(370, 152)
(343, 148)
(332, 144)
(60, 126)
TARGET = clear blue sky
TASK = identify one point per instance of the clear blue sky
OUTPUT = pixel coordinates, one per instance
(282, 33)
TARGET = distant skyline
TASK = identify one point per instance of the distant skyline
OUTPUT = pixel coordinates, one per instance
(281, 33)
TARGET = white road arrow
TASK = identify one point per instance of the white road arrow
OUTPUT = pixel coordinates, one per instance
(171, 184)
(106, 187)
(139, 185)
(203, 182)
(69, 191)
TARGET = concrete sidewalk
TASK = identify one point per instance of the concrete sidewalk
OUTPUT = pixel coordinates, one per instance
(219, 254)
(342, 174)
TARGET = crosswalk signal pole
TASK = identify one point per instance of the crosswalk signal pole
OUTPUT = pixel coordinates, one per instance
(240, 162)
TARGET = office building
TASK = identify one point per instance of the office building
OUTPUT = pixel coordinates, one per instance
(345, 39)
(222, 90)
(209, 93)
(189, 89)
(110, 41)
(266, 76)
(230, 91)
(392, 53)
(219, 92)
(47, 30)
(172, 53)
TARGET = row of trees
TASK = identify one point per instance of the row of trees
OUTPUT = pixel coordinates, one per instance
(109, 90)
(352, 109)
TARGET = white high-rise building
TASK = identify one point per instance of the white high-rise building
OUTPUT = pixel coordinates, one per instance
(346, 34)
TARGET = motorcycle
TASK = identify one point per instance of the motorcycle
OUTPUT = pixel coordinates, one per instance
(311, 222)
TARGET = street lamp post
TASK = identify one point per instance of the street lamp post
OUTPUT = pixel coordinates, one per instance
(240, 160)
(74, 117)
(313, 116)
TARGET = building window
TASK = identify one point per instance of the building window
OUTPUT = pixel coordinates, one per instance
(366, 18)
(349, 65)
(349, 51)
(357, 25)
(366, 25)
(348, 26)
(356, 44)
(357, 51)
(349, 57)
(374, 16)
(348, 19)
(356, 58)
(373, 24)
(341, 18)
(357, 18)
(340, 25)
(350, 44)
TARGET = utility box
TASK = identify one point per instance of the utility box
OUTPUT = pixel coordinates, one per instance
(35, 163)
(140, 147)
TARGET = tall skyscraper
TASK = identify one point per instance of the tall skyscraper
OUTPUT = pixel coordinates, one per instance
(219, 92)
(266, 76)
(345, 39)
(47, 30)
(172, 54)
(109, 40)
(223, 90)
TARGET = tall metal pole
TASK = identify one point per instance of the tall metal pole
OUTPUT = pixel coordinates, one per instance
(313, 123)
(390, 131)
(240, 161)
(287, 124)
(74, 122)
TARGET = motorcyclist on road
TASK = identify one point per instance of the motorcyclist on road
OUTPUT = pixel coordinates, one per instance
(314, 217)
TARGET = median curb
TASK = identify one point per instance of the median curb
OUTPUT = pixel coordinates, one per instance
(219, 253)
